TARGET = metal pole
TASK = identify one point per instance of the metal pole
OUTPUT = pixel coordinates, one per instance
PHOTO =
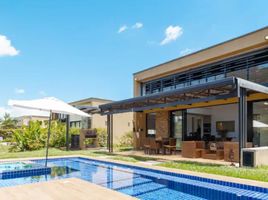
(242, 109)
(108, 132)
(67, 131)
(112, 134)
(48, 136)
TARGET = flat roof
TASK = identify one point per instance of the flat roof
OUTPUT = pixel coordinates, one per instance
(246, 41)
(205, 92)
(90, 99)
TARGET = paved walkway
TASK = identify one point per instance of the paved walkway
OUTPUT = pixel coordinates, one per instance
(67, 189)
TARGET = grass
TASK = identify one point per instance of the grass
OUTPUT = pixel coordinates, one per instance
(258, 174)
(5, 154)
(133, 159)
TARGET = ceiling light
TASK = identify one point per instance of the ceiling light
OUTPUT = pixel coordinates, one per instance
(265, 103)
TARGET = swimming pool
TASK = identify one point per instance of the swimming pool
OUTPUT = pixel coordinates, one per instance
(143, 183)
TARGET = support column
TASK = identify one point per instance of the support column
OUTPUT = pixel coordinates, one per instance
(67, 131)
(108, 132)
(184, 124)
(111, 134)
(242, 121)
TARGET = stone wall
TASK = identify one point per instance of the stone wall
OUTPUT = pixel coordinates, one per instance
(162, 124)
(162, 128)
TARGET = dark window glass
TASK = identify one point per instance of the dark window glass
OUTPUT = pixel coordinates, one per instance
(150, 124)
(259, 74)
(176, 124)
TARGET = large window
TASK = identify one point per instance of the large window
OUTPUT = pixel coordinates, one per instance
(176, 124)
(259, 74)
(260, 123)
(253, 67)
(150, 124)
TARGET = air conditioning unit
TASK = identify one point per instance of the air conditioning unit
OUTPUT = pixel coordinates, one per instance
(253, 157)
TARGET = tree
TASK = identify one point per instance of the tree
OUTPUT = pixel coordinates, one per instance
(8, 122)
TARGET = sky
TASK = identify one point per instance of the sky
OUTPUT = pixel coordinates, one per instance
(91, 48)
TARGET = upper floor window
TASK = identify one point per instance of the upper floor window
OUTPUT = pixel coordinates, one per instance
(253, 67)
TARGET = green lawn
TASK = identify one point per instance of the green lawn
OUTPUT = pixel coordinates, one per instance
(259, 174)
(5, 154)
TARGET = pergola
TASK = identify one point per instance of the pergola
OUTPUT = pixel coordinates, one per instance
(231, 87)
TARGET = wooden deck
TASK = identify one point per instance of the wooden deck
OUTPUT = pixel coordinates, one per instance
(67, 189)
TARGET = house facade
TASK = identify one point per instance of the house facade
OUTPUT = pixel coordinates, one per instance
(26, 119)
(218, 93)
(123, 123)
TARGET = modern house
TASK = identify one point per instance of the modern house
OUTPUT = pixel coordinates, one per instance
(123, 123)
(217, 95)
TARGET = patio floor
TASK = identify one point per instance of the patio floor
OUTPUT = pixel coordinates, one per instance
(172, 157)
(67, 189)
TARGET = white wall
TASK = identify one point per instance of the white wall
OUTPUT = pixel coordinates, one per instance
(225, 113)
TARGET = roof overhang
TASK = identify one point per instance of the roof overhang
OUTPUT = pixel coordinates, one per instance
(210, 91)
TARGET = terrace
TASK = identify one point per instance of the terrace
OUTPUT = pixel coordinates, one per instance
(224, 92)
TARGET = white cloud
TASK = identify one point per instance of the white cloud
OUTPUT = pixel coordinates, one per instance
(138, 25)
(42, 93)
(122, 29)
(172, 33)
(19, 91)
(6, 49)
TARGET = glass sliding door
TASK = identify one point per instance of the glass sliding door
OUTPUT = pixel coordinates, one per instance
(176, 126)
(260, 123)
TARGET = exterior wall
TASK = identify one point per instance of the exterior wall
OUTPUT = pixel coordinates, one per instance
(162, 127)
(140, 130)
(25, 120)
(243, 44)
(162, 124)
(122, 123)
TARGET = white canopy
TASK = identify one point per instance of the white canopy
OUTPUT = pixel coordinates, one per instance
(49, 104)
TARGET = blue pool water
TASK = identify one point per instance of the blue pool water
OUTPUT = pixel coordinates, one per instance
(142, 183)
(14, 166)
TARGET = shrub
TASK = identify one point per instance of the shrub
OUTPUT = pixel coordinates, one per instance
(6, 133)
(34, 136)
(74, 131)
(57, 134)
(126, 140)
(102, 137)
(30, 137)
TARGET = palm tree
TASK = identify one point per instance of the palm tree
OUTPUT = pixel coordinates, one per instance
(8, 122)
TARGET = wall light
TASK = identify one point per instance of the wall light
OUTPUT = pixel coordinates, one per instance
(266, 37)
